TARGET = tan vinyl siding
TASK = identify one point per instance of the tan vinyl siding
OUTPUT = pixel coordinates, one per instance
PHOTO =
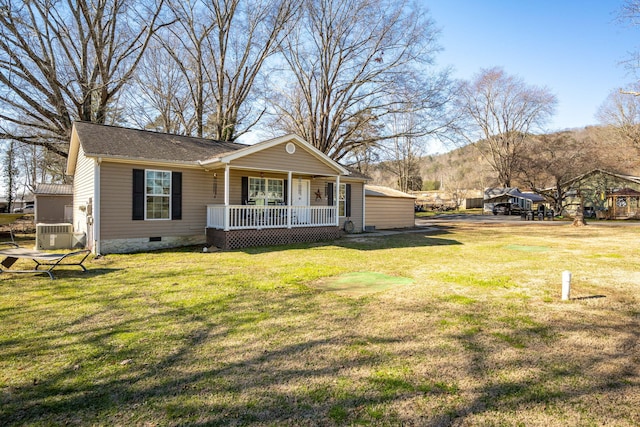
(50, 209)
(356, 205)
(235, 192)
(116, 185)
(277, 158)
(390, 212)
(83, 188)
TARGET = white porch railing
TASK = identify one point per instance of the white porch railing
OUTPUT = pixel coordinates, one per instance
(245, 217)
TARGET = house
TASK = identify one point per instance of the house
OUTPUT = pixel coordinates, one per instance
(137, 190)
(603, 194)
(527, 201)
(388, 208)
(53, 203)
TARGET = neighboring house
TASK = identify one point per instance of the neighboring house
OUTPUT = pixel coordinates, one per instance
(527, 201)
(603, 194)
(388, 208)
(53, 203)
(138, 190)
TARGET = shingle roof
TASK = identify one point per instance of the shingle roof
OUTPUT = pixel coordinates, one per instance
(54, 189)
(113, 141)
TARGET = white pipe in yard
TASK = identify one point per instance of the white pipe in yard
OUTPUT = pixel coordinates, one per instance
(566, 285)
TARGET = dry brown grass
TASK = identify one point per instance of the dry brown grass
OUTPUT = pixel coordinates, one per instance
(480, 337)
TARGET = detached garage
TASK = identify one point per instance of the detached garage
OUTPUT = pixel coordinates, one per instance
(388, 208)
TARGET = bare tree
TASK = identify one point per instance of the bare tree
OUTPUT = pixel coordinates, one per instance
(344, 63)
(160, 98)
(629, 14)
(10, 172)
(500, 112)
(220, 47)
(620, 114)
(66, 60)
(404, 152)
(550, 161)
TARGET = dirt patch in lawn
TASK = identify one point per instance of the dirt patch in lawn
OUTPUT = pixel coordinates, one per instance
(361, 283)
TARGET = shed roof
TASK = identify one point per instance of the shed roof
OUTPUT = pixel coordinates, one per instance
(378, 191)
(625, 192)
(54, 189)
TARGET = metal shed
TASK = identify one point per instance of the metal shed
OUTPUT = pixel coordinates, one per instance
(53, 203)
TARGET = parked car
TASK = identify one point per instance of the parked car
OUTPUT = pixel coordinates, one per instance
(507, 209)
(589, 212)
(28, 208)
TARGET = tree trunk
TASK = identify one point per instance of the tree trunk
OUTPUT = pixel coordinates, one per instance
(578, 220)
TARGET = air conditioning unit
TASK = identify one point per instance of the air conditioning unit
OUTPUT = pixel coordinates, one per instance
(54, 236)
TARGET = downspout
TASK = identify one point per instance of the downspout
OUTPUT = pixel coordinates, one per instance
(336, 200)
(289, 193)
(96, 206)
(364, 202)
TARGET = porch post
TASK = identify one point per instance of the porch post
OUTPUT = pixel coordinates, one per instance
(226, 197)
(289, 182)
(336, 200)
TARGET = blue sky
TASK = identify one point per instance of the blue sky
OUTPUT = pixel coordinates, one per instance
(574, 48)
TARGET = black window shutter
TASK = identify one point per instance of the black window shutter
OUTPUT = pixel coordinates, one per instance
(176, 195)
(330, 194)
(138, 195)
(347, 200)
(285, 188)
(245, 190)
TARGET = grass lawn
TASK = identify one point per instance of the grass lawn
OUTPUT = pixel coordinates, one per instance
(461, 326)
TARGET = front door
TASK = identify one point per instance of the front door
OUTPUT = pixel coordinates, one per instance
(300, 198)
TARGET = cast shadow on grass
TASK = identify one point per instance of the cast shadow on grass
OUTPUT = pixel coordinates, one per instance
(547, 382)
(183, 387)
(587, 297)
(61, 273)
(202, 369)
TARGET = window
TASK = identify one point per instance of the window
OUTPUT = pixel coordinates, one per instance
(266, 191)
(342, 197)
(158, 194)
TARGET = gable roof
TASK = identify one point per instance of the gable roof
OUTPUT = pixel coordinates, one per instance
(251, 149)
(125, 144)
(54, 189)
(630, 178)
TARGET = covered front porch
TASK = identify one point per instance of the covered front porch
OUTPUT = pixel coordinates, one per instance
(282, 191)
(269, 207)
(242, 217)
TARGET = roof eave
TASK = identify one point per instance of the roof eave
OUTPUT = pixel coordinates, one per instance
(100, 157)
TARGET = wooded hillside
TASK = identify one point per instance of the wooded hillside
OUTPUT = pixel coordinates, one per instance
(549, 157)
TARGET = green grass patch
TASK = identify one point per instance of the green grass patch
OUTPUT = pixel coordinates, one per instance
(473, 280)
(362, 283)
(458, 299)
